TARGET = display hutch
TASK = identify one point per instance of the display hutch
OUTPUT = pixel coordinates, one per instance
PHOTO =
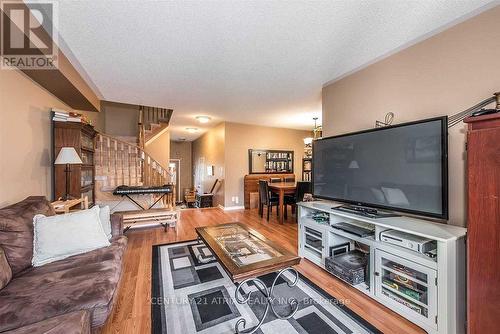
(80, 136)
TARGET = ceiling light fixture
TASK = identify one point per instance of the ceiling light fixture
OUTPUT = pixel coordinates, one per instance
(191, 130)
(203, 119)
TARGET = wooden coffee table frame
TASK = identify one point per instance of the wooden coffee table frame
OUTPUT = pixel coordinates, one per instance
(249, 274)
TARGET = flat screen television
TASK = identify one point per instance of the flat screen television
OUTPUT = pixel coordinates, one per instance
(400, 168)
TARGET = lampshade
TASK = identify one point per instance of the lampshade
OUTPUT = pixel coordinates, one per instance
(67, 155)
(308, 141)
(354, 165)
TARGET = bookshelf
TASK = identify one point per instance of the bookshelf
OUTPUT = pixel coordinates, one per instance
(307, 169)
(307, 160)
(81, 136)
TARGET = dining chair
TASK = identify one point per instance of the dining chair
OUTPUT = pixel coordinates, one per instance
(303, 187)
(274, 180)
(266, 200)
(290, 178)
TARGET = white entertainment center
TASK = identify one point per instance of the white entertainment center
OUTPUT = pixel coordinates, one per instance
(429, 291)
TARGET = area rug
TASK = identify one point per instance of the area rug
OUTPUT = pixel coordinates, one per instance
(191, 293)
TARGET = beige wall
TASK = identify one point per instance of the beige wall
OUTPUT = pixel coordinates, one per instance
(159, 149)
(209, 150)
(95, 118)
(242, 137)
(25, 137)
(182, 150)
(442, 75)
(120, 120)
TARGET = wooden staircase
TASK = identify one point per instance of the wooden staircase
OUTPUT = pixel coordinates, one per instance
(152, 123)
(120, 162)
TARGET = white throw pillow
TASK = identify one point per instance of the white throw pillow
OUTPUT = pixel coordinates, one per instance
(104, 216)
(395, 196)
(58, 237)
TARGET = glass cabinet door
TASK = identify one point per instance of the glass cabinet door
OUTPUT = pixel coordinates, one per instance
(407, 286)
(313, 242)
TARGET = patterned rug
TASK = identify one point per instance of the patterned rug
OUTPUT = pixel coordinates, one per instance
(191, 293)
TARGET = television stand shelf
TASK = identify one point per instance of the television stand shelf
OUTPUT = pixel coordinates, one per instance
(428, 291)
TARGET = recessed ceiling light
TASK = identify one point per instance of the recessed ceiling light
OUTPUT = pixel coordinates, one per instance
(191, 130)
(203, 119)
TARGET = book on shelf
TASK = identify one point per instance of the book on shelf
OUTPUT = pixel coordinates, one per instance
(68, 116)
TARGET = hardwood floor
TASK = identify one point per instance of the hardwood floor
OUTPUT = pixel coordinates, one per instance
(132, 313)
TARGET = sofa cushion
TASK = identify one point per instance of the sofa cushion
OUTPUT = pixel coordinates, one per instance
(5, 271)
(62, 236)
(71, 323)
(105, 218)
(16, 230)
(81, 282)
(113, 252)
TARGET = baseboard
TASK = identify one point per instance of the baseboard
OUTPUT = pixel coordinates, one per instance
(231, 208)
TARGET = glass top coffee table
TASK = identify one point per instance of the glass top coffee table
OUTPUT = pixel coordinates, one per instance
(245, 255)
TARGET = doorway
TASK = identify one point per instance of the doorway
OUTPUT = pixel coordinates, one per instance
(174, 167)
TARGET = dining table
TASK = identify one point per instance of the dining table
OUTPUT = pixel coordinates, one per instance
(282, 189)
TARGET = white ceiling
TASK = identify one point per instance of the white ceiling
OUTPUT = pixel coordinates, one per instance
(256, 62)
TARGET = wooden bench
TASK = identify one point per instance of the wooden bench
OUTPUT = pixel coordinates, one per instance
(164, 217)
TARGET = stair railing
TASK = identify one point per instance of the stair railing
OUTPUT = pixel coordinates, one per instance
(149, 116)
(128, 164)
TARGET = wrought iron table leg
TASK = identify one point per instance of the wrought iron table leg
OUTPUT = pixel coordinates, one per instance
(268, 294)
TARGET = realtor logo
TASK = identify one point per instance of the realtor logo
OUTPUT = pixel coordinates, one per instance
(29, 35)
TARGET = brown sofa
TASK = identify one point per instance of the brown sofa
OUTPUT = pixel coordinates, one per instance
(75, 293)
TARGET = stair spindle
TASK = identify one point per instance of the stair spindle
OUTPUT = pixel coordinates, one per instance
(108, 144)
(101, 151)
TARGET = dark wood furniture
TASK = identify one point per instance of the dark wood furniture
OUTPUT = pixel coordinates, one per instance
(265, 199)
(270, 161)
(206, 200)
(483, 230)
(274, 180)
(282, 189)
(279, 257)
(81, 137)
(251, 187)
(302, 188)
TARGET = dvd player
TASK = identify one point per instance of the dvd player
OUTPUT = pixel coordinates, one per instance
(409, 241)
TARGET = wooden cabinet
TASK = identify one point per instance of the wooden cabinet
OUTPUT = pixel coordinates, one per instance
(82, 137)
(483, 236)
(204, 200)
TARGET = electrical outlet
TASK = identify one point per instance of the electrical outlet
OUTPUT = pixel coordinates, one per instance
(237, 199)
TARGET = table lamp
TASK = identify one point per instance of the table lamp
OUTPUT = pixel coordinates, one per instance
(68, 156)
